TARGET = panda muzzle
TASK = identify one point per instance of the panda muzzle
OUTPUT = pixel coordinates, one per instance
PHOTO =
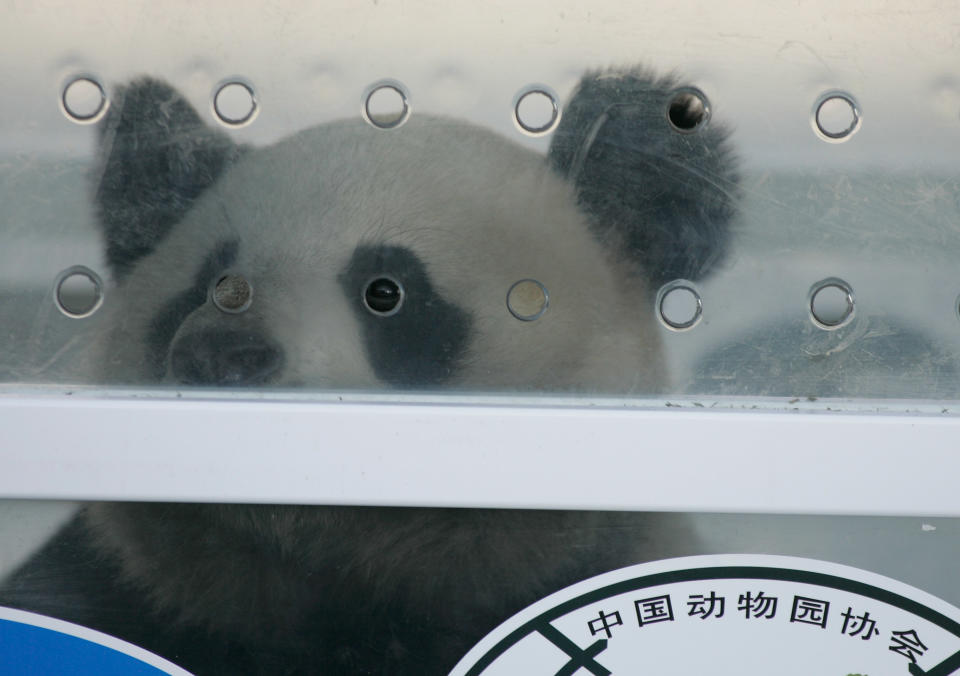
(225, 358)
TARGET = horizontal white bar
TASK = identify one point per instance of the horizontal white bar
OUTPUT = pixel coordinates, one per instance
(63, 447)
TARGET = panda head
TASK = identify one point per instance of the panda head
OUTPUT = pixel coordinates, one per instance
(436, 255)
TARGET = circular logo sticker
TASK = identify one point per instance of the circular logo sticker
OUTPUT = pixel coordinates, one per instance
(734, 614)
(32, 644)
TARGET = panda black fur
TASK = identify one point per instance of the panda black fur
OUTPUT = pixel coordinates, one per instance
(454, 215)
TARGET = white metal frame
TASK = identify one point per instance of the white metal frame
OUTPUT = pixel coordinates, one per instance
(456, 454)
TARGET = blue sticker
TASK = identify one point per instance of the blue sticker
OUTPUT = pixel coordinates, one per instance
(34, 645)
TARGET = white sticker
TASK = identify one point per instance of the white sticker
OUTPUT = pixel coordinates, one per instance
(734, 614)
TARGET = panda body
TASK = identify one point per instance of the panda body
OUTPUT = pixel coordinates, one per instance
(450, 215)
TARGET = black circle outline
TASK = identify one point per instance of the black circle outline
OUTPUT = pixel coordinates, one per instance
(555, 112)
(235, 122)
(666, 290)
(845, 134)
(397, 87)
(97, 114)
(822, 285)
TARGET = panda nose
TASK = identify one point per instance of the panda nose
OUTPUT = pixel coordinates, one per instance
(218, 357)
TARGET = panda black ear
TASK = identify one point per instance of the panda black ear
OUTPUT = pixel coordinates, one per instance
(156, 157)
(662, 197)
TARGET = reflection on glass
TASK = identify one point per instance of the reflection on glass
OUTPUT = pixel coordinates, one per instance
(346, 258)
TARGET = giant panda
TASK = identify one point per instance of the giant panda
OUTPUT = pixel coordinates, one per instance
(348, 257)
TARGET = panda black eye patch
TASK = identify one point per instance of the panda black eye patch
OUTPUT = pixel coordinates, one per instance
(172, 314)
(413, 336)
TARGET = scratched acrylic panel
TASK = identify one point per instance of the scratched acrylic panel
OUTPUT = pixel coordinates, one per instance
(703, 203)
(740, 199)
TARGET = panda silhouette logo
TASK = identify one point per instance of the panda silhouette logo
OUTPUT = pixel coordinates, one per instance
(434, 256)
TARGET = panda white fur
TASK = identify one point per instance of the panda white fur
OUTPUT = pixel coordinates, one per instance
(376, 259)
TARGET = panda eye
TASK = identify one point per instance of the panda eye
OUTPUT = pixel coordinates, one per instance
(383, 296)
(232, 294)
